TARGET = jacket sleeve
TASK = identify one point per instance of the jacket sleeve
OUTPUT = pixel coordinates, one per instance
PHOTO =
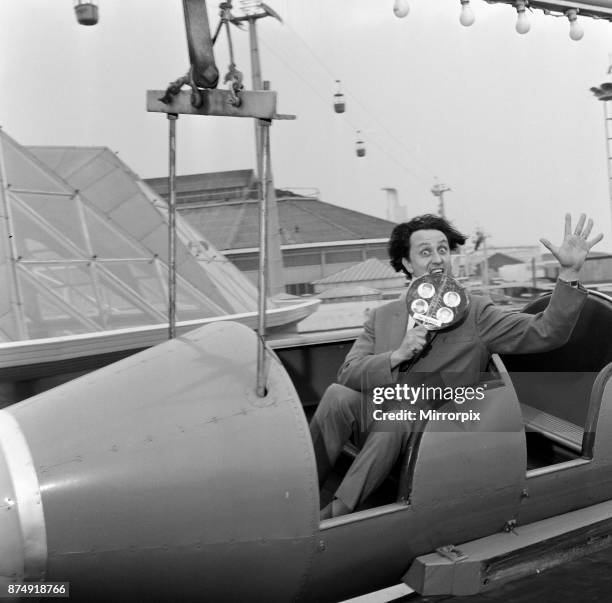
(363, 368)
(520, 333)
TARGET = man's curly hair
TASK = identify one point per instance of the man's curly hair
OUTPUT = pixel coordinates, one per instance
(399, 242)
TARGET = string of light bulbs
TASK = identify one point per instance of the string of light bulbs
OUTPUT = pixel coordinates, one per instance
(401, 9)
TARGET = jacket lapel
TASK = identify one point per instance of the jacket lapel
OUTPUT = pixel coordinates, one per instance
(398, 324)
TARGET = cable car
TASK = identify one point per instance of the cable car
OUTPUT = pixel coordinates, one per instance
(339, 102)
(360, 145)
(86, 12)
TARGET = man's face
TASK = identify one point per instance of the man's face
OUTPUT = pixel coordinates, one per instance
(429, 253)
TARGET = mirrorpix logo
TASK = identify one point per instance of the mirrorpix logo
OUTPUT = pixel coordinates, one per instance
(410, 394)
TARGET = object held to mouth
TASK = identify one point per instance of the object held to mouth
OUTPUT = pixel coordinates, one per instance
(437, 301)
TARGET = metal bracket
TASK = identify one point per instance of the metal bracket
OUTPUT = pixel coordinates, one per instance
(451, 552)
(254, 103)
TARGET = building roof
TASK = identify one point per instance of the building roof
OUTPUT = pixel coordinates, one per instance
(85, 249)
(369, 270)
(502, 259)
(235, 224)
(198, 188)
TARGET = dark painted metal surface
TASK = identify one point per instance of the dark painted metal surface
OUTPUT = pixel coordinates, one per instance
(199, 42)
(313, 368)
(588, 351)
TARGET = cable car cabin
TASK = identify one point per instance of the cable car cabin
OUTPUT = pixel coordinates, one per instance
(339, 103)
(86, 12)
(136, 482)
(360, 149)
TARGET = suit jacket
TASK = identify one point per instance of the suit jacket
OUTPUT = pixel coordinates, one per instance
(460, 354)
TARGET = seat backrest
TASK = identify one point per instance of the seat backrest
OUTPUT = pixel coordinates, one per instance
(586, 353)
(313, 367)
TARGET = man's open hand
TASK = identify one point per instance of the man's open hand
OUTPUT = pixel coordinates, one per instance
(575, 248)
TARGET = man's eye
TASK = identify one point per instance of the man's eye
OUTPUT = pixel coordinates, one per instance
(425, 252)
(443, 250)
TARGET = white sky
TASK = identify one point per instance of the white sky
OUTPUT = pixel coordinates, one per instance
(507, 121)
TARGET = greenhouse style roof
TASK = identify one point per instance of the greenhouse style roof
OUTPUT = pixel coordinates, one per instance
(84, 249)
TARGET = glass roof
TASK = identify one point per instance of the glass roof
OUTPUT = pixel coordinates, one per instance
(85, 248)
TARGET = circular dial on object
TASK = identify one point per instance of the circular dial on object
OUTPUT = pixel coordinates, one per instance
(426, 290)
(419, 306)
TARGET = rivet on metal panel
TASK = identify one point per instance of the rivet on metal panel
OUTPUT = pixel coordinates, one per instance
(322, 546)
(510, 525)
(524, 494)
(10, 503)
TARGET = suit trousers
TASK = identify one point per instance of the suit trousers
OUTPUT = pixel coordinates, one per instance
(343, 412)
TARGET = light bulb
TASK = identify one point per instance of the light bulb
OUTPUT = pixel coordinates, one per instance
(522, 22)
(401, 8)
(467, 17)
(576, 31)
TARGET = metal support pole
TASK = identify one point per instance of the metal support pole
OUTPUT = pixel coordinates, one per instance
(263, 258)
(172, 117)
(608, 125)
(485, 265)
(438, 191)
(257, 84)
(275, 280)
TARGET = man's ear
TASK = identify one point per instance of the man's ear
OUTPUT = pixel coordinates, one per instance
(407, 265)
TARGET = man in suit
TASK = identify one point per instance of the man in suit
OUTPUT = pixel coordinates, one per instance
(391, 343)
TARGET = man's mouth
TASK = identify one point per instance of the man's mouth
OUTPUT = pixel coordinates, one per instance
(436, 271)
